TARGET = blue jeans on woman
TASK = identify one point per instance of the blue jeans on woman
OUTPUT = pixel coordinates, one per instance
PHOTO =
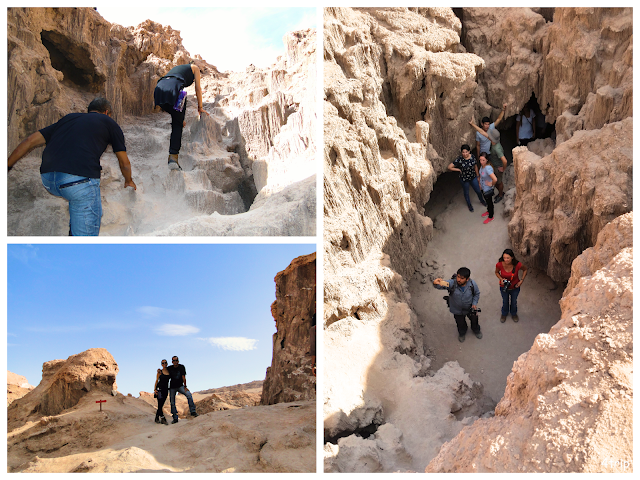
(476, 188)
(506, 295)
(83, 194)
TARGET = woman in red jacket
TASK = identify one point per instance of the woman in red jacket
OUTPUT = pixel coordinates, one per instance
(507, 271)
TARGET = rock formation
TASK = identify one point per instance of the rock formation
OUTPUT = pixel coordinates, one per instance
(568, 402)
(255, 152)
(64, 383)
(290, 377)
(400, 86)
(17, 387)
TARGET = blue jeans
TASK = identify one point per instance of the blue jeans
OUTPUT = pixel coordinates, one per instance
(172, 399)
(513, 295)
(83, 194)
(476, 188)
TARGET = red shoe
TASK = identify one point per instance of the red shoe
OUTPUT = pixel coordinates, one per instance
(488, 220)
(485, 214)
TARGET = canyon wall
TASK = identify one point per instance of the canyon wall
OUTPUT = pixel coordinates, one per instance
(289, 378)
(400, 86)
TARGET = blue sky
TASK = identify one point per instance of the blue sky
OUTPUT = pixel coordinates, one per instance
(208, 304)
(229, 38)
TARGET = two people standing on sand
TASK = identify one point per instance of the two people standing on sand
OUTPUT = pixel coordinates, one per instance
(171, 380)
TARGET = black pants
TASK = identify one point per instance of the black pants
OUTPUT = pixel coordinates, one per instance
(462, 323)
(177, 119)
(162, 397)
(488, 197)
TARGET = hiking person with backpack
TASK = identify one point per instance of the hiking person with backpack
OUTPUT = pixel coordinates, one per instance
(463, 299)
(507, 270)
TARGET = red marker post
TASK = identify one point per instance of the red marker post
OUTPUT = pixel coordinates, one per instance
(100, 402)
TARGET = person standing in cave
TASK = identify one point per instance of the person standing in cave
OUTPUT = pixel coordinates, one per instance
(463, 299)
(487, 180)
(507, 270)
(497, 158)
(71, 161)
(467, 166)
(483, 143)
(170, 96)
(525, 126)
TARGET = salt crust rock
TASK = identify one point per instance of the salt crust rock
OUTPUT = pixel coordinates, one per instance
(289, 378)
(65, 382)
(564, 199)
(568, 402)
(58, 62)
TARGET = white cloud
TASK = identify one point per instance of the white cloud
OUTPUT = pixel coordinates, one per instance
(9, 334)
(232, 343)
(23, 253)
(172, 330)
(157, 311)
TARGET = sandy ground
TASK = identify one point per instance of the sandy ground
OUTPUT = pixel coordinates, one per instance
(461, 240)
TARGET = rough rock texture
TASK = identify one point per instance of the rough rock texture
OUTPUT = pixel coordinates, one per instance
(289, 378)
(400, 87)
(257, 144)
(19, 380)
(17, 387)
(64, 383)
(564, 199)
(568, 402)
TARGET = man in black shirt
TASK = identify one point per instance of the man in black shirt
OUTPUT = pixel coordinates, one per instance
(178, 375)
(71, 161)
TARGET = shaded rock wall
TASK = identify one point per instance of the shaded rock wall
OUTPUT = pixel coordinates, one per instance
(568, 402)
(289, 378)
(64, 383)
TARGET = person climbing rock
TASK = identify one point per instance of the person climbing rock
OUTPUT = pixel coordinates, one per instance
(507, 270)
(487, 181)
(161, 390)
(525, 126)
(71, 161)
(466, 165)
(170, 96)
(179, 385)
(482, 140)
(464, 296)
(496, 158)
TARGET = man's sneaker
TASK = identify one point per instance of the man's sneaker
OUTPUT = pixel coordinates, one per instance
(194, 414)
(488, 220)
(461, 338)
(485, 214)
(498, 198)
(478, 334)
(515, 318)
(503, 318)
(173, 163)
(175, 420)
(164, 421)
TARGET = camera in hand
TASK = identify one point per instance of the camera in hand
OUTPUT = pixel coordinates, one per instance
(506, 283)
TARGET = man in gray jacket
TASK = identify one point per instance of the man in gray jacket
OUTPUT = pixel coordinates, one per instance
(464, 296)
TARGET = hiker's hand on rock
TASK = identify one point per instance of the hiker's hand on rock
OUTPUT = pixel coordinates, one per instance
(202, 110)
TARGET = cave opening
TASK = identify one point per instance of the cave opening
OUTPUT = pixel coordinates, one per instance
(363, 432)
(73, 61)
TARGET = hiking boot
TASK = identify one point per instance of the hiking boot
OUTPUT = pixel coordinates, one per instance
(478, 335)
(485, 214)
(461, 338)
(163, 421)
(515, 318)
(503, 318)
(173, 162)
(488, 220)
(157, 420)
(194, 414)
(498, 198)
(470, 208)
(175, 420)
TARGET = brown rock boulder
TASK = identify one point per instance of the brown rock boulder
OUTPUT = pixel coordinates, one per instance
(65, 382)
(289, 378)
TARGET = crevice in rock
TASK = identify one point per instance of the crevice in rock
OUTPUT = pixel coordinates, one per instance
(362, 432)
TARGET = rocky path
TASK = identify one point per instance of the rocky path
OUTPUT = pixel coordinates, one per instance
(461, 239)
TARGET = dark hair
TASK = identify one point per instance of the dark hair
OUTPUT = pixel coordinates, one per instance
(176, 357)
(99, 104)
(486, 119)
(465, 147)
(484, 154)
(464, 272)
(509, 252)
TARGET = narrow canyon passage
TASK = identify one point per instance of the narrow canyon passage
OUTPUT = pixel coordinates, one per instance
(460, 239)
